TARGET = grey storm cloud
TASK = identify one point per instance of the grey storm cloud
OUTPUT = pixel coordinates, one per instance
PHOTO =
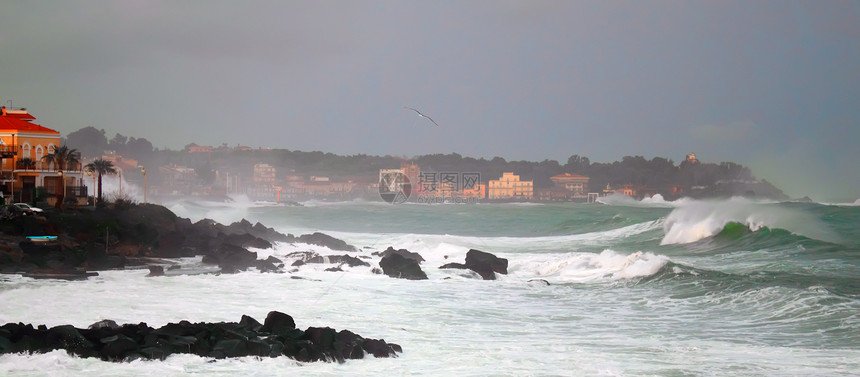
(730, 80)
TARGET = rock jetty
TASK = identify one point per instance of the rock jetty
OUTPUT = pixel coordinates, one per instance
(276, 336)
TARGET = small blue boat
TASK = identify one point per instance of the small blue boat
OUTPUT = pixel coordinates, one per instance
(41, 238)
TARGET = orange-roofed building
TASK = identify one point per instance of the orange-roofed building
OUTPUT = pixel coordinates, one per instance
(22, 146)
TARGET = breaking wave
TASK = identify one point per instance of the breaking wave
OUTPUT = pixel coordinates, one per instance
(697, 220)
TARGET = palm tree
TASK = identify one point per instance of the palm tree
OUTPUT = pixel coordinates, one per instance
(100, 166)
(62, 158)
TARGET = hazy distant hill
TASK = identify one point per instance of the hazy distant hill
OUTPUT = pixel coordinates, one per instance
(657, 175)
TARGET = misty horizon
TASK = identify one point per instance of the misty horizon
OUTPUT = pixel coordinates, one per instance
(770, 85)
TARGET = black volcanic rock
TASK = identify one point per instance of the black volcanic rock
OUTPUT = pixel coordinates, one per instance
(454, 265)
(277, 337)
(322, 239)
(279, 323)
(269, 234)
(155, 271)
(339, 259)
(109, 237)
(398, 266)
(68, 338)
(403, 252)
(231, 258)
(116, 347)
(485, 264)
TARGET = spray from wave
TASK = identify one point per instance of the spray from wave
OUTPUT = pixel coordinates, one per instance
(856, 203)
(656, 201)
(697, 220)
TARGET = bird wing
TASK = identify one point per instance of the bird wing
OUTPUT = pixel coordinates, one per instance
(422, 115)
(431, 119)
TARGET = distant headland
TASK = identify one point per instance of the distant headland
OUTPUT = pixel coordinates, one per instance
(286, 175)
(43, 168)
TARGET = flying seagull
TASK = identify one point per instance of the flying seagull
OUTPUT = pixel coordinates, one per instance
(422, 115)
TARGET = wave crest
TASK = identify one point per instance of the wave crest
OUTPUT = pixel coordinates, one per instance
(697, 220)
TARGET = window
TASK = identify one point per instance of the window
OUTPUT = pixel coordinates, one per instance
(25, 150)
(39, 152)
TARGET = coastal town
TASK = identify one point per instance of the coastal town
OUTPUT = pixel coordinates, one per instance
(41, 167)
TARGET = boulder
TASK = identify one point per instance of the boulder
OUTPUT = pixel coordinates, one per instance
(68, 337)
(378, 347)
(322, 239)
(486, 264)
(249, 323)
(117, 347)
(171, 244)
(155, 271)
(269, 234)
(403, 252)
(105, 323)
(398, 266)
(279, 323)
(339, 259)
(231, 258)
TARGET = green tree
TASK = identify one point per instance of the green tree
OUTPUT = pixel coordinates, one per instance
(62, 159)
(101, 167)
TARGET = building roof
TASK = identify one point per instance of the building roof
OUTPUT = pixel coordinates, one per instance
(569, 176)
(20, 114)
(14, 120)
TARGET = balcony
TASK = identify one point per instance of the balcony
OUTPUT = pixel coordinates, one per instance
(8, 151)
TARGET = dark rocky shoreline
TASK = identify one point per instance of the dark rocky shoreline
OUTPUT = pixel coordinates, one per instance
(115, 237)
(151, 236)
(277, 336)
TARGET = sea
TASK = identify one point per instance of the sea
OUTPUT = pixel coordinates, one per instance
(622, 287)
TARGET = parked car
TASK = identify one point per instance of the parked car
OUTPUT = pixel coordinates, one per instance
(28, 208)
(11, 212)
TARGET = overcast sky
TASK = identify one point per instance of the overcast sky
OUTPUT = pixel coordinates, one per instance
(774, 85)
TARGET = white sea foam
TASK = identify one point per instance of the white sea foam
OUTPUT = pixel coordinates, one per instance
(588, 267)
(856, 203)
(581, 327)
(697, 220)
(655, 201)
(234, 208)
(453, 245)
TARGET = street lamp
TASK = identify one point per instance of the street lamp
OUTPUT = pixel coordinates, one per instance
(92, 174)
(63, 181)
(143, 170)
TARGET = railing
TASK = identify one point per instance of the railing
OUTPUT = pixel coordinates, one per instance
(8, 150)
(19, 165)
(70, 191)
